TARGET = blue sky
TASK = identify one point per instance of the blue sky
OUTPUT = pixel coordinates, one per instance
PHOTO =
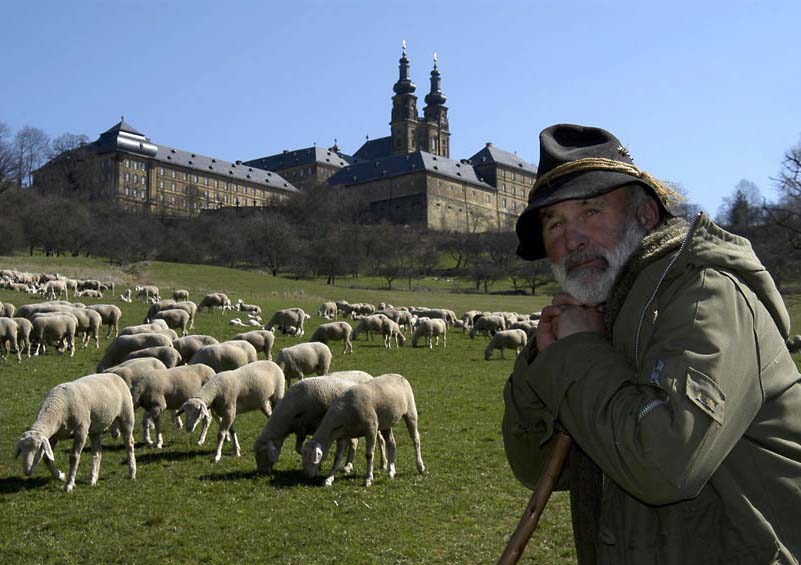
(703, 93)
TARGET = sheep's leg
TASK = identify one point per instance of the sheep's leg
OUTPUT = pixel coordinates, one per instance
(52, 464)
(299, 439)
(382, 448)
(370, 439)
(176, 420)
(71, 343)
(235, 441)
(411, 425)
(390, 441)
(157, 422)
(354, 442)
(341, 446)
(146, 429)
(97, 455)
(206, 423)
(97, 338)
(75, 458)
(225, 423)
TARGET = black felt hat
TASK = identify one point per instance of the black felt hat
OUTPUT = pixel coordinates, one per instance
(605, 164)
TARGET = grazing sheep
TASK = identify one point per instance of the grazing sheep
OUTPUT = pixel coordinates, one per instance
(164, 353)
(300, 413)
(118, 350)
(8, 310)
(154, 327)
(431, 329)
(89, 322)
(53, 290)
(176, 319)
(188, 345)
(55, 330)
(370, 325)
(403, 318)
(257, 386)
(147, 292)
(225, 356)
(134, 370)
(262, 340)
(180, 294)
(365, 410)
(110, 315)
(8, 338)
(189, 307)
(157, 307)
(215, 300)
(390, 329)
(334, 331)
(83, 408)
(29, 310)
(487, 325)
(304, 359)
(252, 308)
(289, 321)
(506, 338)
(24, 334)
(328, 310)
(167, 389)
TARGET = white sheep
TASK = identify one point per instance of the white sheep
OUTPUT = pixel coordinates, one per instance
(487, 325)
(81, 409)
(134, 370)
(300, 413)
(164, 353)
(147, 292)
(242, 306)
(370, 324)
(156, 326)
(156, 307)
(89, 293)
(167, 389)
(8, 310)
(431, 330)
(288, 321)
(334, 331)
(188, 345)
(180, 294)
(328, 310)
(9, 329)
(390, 329)
(512, 339)
(57, 330)
(304, 359)
(256, 386)
(89, 322)
(262, 340)
(24, 334)
(126, 296)
(123, 345)
(365, 410)
(236, 322)
(187, 306)
(110, 315)
(225, 356)
(215, 300)
(176, 319)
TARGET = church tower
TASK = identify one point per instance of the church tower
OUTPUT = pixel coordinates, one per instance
(434, 133)
(404, 110)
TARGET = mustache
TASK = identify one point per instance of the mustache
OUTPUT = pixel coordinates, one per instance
(576, 258)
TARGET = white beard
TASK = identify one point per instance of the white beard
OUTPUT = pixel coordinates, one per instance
(590, 285)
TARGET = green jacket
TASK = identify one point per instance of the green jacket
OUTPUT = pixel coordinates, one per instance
(692, 412)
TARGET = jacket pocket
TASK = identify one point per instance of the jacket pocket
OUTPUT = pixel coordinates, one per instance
(704, 392)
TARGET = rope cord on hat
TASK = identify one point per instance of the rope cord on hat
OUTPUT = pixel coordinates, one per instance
(665, 194)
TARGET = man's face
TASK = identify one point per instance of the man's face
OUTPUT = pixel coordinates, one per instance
(588, 241)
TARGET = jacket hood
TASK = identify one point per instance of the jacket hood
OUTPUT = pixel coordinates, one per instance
(709, 244)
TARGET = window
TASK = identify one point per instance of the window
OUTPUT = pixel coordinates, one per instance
(503, 187)
(161, 184)
(206, 181)
(216, 183)
(503, 202)
(127, 163)
(126, 190)
(513, 175)
(127, 177)
(235, 188)
(487, 198)
(136, 179)
(194, 178)
(172, 185)
(143, 180)
(514, 205)
(503, 173)
(184, 176)
(161, 171)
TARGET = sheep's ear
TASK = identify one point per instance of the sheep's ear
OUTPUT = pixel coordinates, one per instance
(180, 411)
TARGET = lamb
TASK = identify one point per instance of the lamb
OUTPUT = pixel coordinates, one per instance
(134, 370)
(176, 319)
(180, 294)
(215, 300)
(365, 410)
(25, 327)
(262, 340)
(8, 310)
(188, 345)
(257, 386)
(82, 408)
(8, 338)
(55, 329)
(236, 322)
(126, 296)
(370, 324)
(225, 356)
(252, 308)
(118, 349)
(110, 316)
(506, 338)
(303, 359)
(167, 389)
(147, 292)
(286, 319)
(89, 293)
(431, 329)
(487, 325)
(390, 329)
(300, 413)
(334, 331)
(164, 353)
(328, 310)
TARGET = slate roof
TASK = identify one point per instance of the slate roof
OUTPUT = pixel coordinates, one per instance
(396, 165)
(491, 154)
(374, 149)
(122, 125)
(305, 156)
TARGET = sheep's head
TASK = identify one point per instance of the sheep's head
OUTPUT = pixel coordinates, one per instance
(267, 454)
(195, 411)
(313, 455)
(401, 339)
(32, 446)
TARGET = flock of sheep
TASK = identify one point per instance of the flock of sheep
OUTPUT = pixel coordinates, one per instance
(159, 366)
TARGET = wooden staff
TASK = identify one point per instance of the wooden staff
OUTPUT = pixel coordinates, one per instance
(536, 504)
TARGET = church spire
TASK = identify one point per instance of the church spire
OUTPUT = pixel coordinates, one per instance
(404, 84)
(435, 97)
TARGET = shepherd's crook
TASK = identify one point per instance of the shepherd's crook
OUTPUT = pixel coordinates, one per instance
(536, 504)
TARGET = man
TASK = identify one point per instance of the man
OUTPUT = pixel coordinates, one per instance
(665, 360)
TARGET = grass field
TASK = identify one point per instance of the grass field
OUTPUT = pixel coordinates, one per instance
(182, 508)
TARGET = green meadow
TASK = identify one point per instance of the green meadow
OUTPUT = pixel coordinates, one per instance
(182, 508)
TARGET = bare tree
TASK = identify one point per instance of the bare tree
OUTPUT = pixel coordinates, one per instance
(66, 142)
(743, 209)
(31, 147)
(6, 158)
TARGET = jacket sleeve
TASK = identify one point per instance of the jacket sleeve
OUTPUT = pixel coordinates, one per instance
(660, 432)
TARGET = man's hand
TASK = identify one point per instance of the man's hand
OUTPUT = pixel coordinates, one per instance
(566, 316)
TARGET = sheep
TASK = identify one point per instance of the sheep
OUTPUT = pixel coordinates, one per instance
(262, 340)
(358, 309)
(156, 307)
(225, 356)
(176, 319)
(89, 322)
(252, 308)
(134, 370)
(506, 338)
(28, 310)
(147, 292)
(370, 325)
(289, 321)
(110, 315)
(8, 310)
(303, 359)
(118, 349)
(54, 330)
(167, 389)
(403, 318)
(236, 322)
(215, 300)
(365, 410)
(89, 293)
(8, 338)
(154, 327)
(164, 353)
(431, 329)
(390, 329)
(300, 413)
(188, 345)
(126, 296)
(54, 289)
(82, 408)
(334, 331)
(328, 310)
(24, 334)
(487, 325)
(257, 386)
(189, 307)
(180, 294)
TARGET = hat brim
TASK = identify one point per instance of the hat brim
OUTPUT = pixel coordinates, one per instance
(572, 187)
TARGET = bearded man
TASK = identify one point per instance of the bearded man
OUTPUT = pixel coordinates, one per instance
(665, 360)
